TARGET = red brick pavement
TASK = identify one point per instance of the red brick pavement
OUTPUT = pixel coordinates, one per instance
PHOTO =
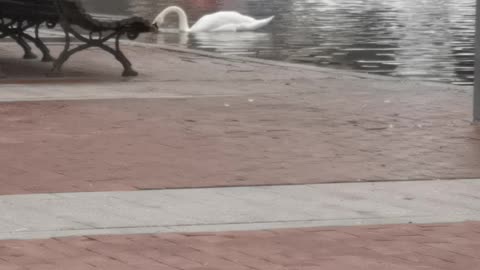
(157, 143)
(392, 247)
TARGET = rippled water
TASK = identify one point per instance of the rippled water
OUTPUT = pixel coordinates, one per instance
(426, 39)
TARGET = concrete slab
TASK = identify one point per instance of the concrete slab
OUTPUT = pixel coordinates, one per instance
(239, 208)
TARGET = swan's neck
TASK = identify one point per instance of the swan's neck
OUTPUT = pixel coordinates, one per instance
(182, 17)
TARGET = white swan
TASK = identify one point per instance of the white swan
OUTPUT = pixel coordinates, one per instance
(230, 21)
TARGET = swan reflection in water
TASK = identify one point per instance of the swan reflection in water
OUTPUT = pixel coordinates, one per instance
(244, 43)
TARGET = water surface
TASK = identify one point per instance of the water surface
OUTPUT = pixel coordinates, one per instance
(421, 39)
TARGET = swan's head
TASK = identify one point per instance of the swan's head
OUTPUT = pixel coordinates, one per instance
(157, 22)
(183, 20)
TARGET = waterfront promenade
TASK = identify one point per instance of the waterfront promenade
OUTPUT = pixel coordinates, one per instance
(207, 162)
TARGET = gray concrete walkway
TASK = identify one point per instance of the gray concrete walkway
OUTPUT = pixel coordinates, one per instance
(237, 208)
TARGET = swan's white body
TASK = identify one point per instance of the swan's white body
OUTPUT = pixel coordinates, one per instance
(227, 21)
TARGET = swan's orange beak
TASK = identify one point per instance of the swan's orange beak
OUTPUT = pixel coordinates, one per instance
(155, 25)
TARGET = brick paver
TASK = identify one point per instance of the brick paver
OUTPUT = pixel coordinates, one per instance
(396, 247)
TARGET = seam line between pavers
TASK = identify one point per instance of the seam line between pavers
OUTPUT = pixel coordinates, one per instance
(314, 183)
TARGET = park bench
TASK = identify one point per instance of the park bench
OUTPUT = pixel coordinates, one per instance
(17, 16)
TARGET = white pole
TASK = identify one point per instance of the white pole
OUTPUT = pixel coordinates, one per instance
(476, 90)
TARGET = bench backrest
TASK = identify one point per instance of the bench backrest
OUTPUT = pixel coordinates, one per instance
(74, 13)
(31, 10)
(70, 12)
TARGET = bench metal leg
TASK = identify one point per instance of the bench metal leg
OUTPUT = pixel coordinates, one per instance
(28, 54)
(13, 29)
(47, 57)
(128, 71)
(62, 58)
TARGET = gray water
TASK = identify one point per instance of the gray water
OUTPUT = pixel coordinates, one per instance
(421, 39)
